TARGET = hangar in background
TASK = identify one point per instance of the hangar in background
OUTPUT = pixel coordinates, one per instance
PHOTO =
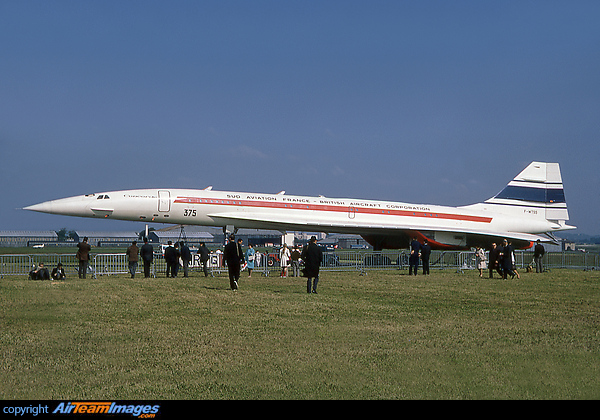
(23, 238)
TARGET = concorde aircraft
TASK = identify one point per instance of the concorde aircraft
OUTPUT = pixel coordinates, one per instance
(532, 206)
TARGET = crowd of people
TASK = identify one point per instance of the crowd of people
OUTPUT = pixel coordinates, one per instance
(234, 258)
(311, 256)
(501, 260)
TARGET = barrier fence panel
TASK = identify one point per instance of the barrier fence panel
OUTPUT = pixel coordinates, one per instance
(14, 265)
(110, 264)
(269, 264)
(22, 264)
(107, 264)
(69, 262)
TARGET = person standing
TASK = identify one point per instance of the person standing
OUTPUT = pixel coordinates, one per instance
(513, 261)
(296, 262)
(507, 260)
(480, 260)
(234, 257)
(133, 253)
(413, 260)
(250, 252)
(175, 268)
(203, 252)
(241, 245)
(538, 256)
(83, 255)
(186, 257)
(171, 259)
(494, 263)
(425, 253)
(147, 254)
(257, 259)
(312, 255)
(284, 259)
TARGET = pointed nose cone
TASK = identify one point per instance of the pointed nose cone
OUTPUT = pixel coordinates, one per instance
(73, 206)
(45, 207)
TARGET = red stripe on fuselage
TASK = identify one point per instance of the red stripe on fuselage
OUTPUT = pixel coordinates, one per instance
(328, 208)
(434, 244)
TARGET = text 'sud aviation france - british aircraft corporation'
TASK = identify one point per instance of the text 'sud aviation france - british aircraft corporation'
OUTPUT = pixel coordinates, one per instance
(532, 206)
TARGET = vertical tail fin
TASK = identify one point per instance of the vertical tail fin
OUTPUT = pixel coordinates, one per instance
(538, 186)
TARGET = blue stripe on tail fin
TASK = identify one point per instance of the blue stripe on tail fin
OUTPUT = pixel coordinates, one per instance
(538, 186)
(532, 194)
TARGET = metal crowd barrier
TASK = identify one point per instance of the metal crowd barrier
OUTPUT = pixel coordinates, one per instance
(269, 264)
(22, 264)
(110, 264)
(439, 260)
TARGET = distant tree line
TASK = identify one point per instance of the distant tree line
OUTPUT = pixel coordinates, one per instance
(65, 234)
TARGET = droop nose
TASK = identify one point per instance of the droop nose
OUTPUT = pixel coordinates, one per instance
(45, 207)
(75, 206)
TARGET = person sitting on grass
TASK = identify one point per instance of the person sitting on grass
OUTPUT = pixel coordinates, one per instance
(58, 273)
(40, 274)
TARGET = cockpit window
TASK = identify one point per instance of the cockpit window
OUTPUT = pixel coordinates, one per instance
(100, 197)
(106, 196)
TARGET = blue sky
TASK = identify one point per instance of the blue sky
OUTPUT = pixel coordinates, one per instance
(437, 102)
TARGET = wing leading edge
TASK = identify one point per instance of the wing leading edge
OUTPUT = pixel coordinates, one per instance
(384, 235)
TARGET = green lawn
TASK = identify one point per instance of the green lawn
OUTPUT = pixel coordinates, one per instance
(385, 335)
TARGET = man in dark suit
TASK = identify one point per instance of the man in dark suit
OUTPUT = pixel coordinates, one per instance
(413, 260)
(172, 260)
(312, 255)
(494, 263)
(425, 253)
(538, 255)
(58, 273)
(204, 255)
(83, 255)
(147, 254)
(234, 258)
(186, 257)
(507, 260)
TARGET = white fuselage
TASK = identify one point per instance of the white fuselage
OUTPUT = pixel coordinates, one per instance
(528, 209)
(294, 213)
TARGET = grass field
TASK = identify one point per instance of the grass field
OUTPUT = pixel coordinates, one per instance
(385, 335)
